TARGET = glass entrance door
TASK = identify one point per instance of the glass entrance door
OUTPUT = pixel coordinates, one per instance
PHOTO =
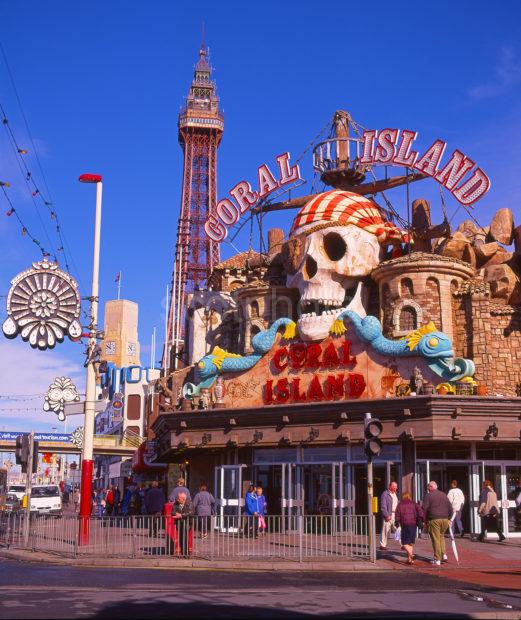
(443, 473)
(292, 502)
(504, 478)
(230, 500)
(513, 499)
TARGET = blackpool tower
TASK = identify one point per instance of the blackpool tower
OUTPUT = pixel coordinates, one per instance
(201, 126)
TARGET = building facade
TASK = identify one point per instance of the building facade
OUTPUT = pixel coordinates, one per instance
(326, 327)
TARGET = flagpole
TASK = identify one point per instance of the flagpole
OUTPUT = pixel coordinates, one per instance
(119, 286)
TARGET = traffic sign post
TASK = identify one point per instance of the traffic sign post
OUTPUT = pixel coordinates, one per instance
(29, 482)
(372, 448)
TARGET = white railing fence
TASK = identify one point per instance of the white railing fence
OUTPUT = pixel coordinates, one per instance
(294, 538)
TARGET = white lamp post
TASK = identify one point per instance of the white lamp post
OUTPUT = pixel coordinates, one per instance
(90, 397)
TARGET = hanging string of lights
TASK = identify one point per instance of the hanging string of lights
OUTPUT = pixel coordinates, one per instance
(25, 230)
(29, 177)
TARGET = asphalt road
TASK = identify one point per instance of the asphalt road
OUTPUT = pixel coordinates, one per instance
(30, 590)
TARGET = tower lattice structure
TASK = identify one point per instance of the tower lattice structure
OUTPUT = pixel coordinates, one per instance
(201, 126)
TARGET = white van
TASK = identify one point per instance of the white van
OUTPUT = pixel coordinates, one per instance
(17, 489)
(46, 499)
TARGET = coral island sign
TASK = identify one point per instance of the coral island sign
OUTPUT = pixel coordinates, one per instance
(312, 357)
(394, 147)
(228, 211)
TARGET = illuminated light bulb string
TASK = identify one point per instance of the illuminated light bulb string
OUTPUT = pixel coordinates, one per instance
(24, 228)
(29, 177)
(31, 186)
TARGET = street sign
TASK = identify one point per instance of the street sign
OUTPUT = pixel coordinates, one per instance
(79, 408)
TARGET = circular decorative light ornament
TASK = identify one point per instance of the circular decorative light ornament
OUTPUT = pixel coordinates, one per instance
(43, 305)
(62, 390)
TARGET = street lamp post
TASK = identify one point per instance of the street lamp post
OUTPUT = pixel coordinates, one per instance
(90, 397)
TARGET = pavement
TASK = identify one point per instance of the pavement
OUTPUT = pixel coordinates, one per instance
(35, 590)
(485, 584)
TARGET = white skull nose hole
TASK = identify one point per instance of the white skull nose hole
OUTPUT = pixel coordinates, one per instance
(311, 267)
(334, 246)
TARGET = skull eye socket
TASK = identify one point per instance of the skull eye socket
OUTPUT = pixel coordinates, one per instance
(334, 246)
(311, 267)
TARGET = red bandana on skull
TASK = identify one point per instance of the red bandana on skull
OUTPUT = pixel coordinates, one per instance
(340, 208)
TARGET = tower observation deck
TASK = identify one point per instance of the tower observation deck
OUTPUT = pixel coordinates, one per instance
(201, 126)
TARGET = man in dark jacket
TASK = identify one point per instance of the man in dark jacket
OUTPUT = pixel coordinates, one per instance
(154, 502)
(438, 511)
(182, 512)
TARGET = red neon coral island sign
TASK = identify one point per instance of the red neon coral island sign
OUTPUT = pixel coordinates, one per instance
(311, 357)
(243, 196)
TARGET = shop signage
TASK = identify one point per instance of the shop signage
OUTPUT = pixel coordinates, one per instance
(58, 437)
(244, 197)
(394, 147)
(311, 357)
(112, 377)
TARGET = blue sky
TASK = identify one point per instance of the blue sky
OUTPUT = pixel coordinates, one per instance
(102, 85)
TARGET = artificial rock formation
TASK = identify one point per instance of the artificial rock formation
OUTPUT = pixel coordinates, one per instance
(502, 226)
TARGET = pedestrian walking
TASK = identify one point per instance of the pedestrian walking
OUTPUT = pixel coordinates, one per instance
(182, 531)
(250, 509)
(246, 517)
(457, 500)
(180, 488)
(125, 502)
(408, 517)
(388, 503)
(117, 500)
(99, 503)
(76, 499)
(109, 501)
(204, 508)
(154, 503)
(489, 512)
(260, 513)
(438, 511)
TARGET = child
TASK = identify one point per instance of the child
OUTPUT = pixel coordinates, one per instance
(261, 510)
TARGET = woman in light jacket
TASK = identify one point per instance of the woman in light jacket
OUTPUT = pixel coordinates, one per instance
(489, 512)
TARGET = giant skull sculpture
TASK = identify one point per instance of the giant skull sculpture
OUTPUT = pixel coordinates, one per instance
(335, 241)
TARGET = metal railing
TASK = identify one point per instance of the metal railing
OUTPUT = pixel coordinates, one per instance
(293, 538)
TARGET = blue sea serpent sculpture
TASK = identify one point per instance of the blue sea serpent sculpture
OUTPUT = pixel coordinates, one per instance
(427, 342)
(220, 361)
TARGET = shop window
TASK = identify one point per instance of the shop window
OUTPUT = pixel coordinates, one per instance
(436, 452)
(134, 407)
(408, 319)
(498, 453)
(324, 455)
(274, 455)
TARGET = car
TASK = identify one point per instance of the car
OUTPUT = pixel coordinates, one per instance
(17, 489)
(46, 499)
(12, 503)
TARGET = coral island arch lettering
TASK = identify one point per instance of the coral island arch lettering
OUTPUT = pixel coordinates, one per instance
(394, 147)
(244, 197)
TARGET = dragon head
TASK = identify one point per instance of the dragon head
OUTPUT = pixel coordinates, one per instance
(430, 343)
(209, 366)
(206, 368)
